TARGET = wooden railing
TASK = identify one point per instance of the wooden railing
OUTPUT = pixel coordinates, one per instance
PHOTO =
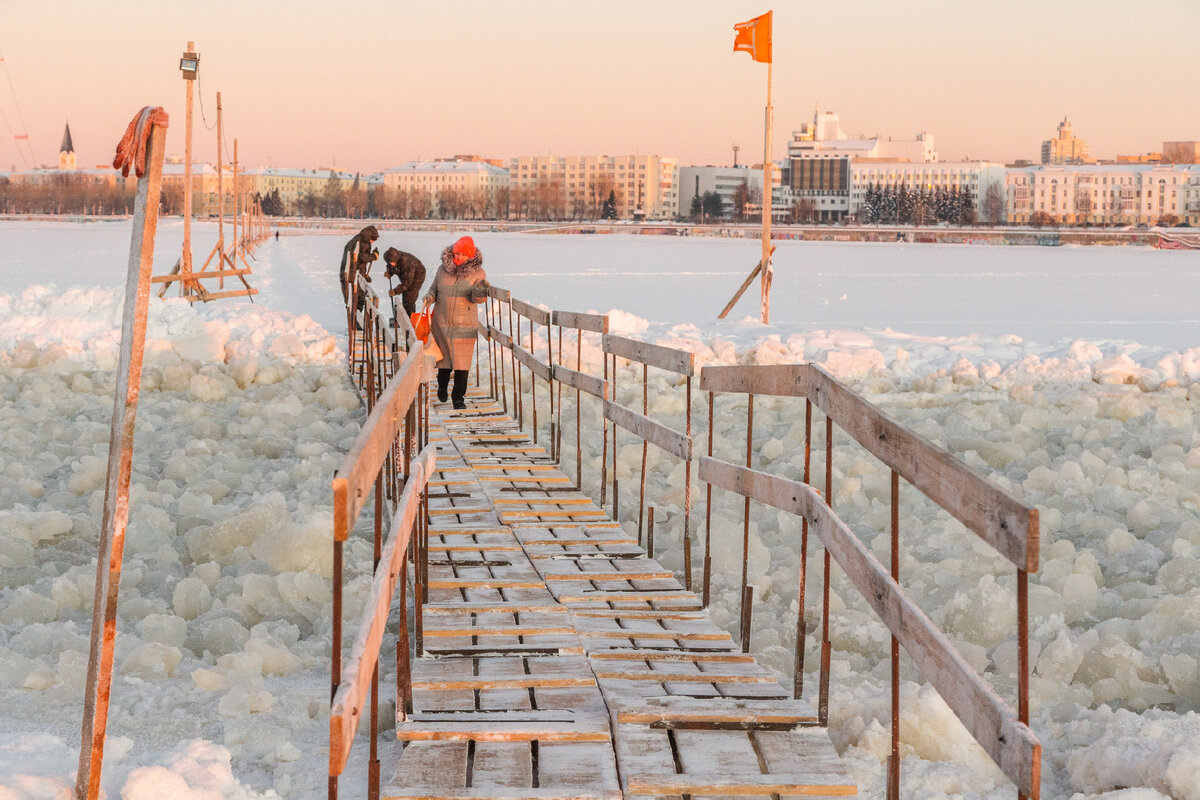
(393, 377)
(996, 517)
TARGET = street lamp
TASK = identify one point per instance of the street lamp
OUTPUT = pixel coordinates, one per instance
(189, 64)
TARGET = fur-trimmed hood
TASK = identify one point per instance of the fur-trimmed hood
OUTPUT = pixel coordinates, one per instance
(464, 270)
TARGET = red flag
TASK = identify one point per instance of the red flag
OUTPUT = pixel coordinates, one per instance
(754, 37)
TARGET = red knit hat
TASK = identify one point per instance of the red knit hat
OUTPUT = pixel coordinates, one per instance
(464, 247)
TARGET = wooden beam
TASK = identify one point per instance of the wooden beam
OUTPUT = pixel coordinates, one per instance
(742, 289)
(997, 517)
(355, 479)
(597, 387)
(680, 362)
(781, 380)
(537, 367)
(115, 516)
(531, 312)
(596, 323)
(352, 693)
(657, 434)
(702, 785)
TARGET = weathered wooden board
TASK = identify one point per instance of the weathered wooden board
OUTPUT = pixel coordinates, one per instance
(351, 694)
(607, 595)
(996, 516)
(663, 676)
(680, 362)
(597, 387)
(531, 312)
(494, 608)
(543, 371)
(496, 293)
(701, 786)
(595, 323)
(356, 477)
(689, 710)
(608, 576)
(657, 434)
(783, 380)
(1010, 743)
(488, 728)
(693, 656)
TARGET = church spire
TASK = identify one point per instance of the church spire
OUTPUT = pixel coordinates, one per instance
(66, 151)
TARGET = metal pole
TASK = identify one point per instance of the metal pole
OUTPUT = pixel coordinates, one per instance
(826, 646)
(893, 773)
(687, 498)
(746, 521)
(801, 622)
(708, 512)
(767, 269)
(645, 450)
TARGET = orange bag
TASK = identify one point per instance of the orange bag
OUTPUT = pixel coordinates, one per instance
(420, 323)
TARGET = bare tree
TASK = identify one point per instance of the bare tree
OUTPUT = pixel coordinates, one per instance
(993, 205)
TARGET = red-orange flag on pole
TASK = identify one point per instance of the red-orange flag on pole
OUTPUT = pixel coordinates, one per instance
(754, 37)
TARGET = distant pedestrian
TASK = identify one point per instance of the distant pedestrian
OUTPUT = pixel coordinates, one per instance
(411, 272)
(357, 256)
(277, 234)
(459, 286)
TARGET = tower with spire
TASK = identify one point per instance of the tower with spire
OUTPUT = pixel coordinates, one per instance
(66, 152)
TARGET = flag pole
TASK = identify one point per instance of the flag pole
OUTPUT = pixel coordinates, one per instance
(767, 197)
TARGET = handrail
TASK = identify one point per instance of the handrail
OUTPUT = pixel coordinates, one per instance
(988, 511)
(1010, 742)
(351, 696)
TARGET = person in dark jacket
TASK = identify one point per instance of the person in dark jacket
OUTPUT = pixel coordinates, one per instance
(357, 256)
(411, 272)
(459, 286)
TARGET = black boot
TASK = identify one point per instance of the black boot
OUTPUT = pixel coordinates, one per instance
(459, 395)
(443, 379)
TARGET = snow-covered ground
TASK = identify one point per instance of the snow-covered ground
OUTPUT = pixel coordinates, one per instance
(1069, 374)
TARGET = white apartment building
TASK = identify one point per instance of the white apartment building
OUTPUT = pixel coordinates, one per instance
(1102, 194)
(971, 176)
(577, 186)
(441, 176)
(699, 181)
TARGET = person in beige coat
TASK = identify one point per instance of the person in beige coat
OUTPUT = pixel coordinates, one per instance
(458, 287)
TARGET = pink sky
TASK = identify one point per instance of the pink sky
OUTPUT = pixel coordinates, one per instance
(376, 83)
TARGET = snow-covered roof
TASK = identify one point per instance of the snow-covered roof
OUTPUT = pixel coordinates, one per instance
(290, 172)
(448, 166)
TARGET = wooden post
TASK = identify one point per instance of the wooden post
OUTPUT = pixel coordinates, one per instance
(767, 271)
(185, 259)
(120, 460)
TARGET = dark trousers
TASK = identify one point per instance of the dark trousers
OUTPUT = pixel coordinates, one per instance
(459, 392)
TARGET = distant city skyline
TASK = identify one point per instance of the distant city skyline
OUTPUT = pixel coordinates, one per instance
(380, 83)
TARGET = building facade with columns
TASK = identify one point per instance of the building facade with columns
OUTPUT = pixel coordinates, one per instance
(1103, 194)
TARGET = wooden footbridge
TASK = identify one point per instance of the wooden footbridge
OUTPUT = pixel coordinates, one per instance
(541, 651)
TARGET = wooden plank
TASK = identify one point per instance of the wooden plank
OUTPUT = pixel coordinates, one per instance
(638, 613)
(996, 516)
(494, 730)
(424, 762)
(355, 479)
(580, 768)
(642, 750)
(780, 380)
(494, 608)
(529, 360)
(225, 273)
(531, 312)
(502, 338)
(490, 630)
(457, 510)
(1010, 743)
(435, 792)
(581, 575)
(596, 323)
(683, 677)
(597, 387)
(657, 434)
(528, 681)
(627, 633)
(502, 767)
(351, 694)
(680, 362)
(700, 785)
(115, 518)
(632, 654)
(483, 583)
(688, 710)
(558, 501)
(608, 596)
(496, 293)
(220, 295)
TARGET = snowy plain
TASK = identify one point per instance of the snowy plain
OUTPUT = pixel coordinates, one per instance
(1068, 374)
